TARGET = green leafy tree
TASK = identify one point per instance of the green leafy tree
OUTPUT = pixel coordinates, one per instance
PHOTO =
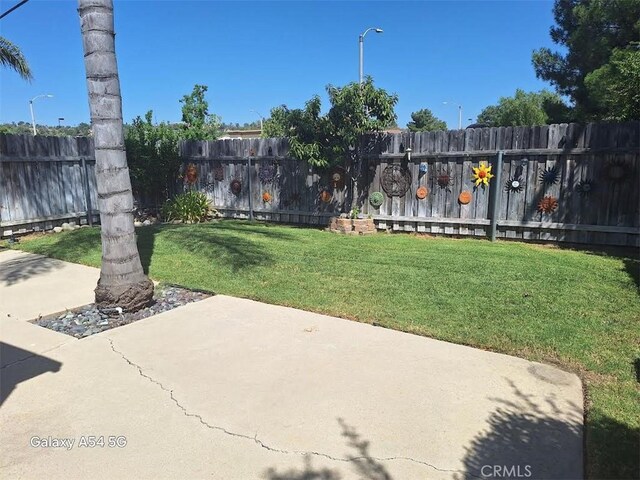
(590, 31)
(152, 154)
(199, 124)
(12, 58)
(615, 87)
(325, 140)
(425, 121)
(526, 108)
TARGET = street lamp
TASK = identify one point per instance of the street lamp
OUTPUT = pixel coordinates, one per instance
(261, 119)
(60, 120)
(459, 112)
(33, 118)
(361, 43)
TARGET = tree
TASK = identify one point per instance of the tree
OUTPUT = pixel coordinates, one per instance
(122, 280)
(526, 108)
(425, 121)
(590, 30)
(615, 87)
(325, 140)
(199, 124)
(12, 58)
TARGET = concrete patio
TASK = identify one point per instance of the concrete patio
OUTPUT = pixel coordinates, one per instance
(228, 388)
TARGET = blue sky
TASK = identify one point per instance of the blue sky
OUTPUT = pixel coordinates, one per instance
(257, 55)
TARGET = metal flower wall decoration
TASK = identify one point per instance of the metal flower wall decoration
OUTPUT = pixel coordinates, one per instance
(549, 176)
(585, 187)
(618, 170)
(482, 174)
(267, 172)
(548, 205)
(266, 197)
(444, 180)
(376, 199)
(395, 180)
(515, 184)
(236, 187)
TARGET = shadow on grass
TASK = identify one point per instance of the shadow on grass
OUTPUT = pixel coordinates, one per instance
(630, 256)
(360, 460)
(230, 243)
(614, 449)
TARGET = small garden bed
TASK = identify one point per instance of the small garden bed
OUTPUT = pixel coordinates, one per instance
(88, 320)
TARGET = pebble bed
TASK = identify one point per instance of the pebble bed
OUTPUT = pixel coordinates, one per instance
(88, 320)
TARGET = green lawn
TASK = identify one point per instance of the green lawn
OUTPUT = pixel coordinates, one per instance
(577, 309)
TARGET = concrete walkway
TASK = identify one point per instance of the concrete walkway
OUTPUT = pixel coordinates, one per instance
(233, 389)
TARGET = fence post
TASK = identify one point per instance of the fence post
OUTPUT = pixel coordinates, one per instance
(495, 198)
(87, 193)
(250, 193)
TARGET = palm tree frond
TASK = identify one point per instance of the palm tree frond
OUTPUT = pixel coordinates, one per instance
(12, 57)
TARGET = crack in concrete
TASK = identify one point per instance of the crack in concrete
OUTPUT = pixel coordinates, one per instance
(260, 443)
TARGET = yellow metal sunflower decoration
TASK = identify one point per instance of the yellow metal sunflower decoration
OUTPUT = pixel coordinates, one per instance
(482, 174)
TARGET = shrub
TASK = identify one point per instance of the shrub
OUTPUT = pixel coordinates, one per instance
(189, 207)
(152, 156)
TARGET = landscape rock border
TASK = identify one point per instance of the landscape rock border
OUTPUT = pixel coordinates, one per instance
(88, 320)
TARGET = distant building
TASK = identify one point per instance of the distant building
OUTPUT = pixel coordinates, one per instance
(240, 134)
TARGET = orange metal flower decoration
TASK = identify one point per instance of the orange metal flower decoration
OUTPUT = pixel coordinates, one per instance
(266, 197)
(325, 196)
(548, 205)
(422, 193)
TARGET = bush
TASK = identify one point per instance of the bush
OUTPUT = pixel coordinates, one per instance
(153, 159)
(189, 207)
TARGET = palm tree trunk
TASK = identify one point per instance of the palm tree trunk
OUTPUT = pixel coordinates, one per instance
(122, 281)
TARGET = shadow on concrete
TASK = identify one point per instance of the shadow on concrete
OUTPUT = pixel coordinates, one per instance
(524, 445)
(525, 440)
(18, 365)
(366, 466)
(307, 472)
(20, 269)
(359, 460)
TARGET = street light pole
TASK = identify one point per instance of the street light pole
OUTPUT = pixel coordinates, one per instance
(33, 118)
(361, 44)
(459, 112)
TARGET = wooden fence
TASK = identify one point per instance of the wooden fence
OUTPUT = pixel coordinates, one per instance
(587, 178)
(591, 171)
(45, 181)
